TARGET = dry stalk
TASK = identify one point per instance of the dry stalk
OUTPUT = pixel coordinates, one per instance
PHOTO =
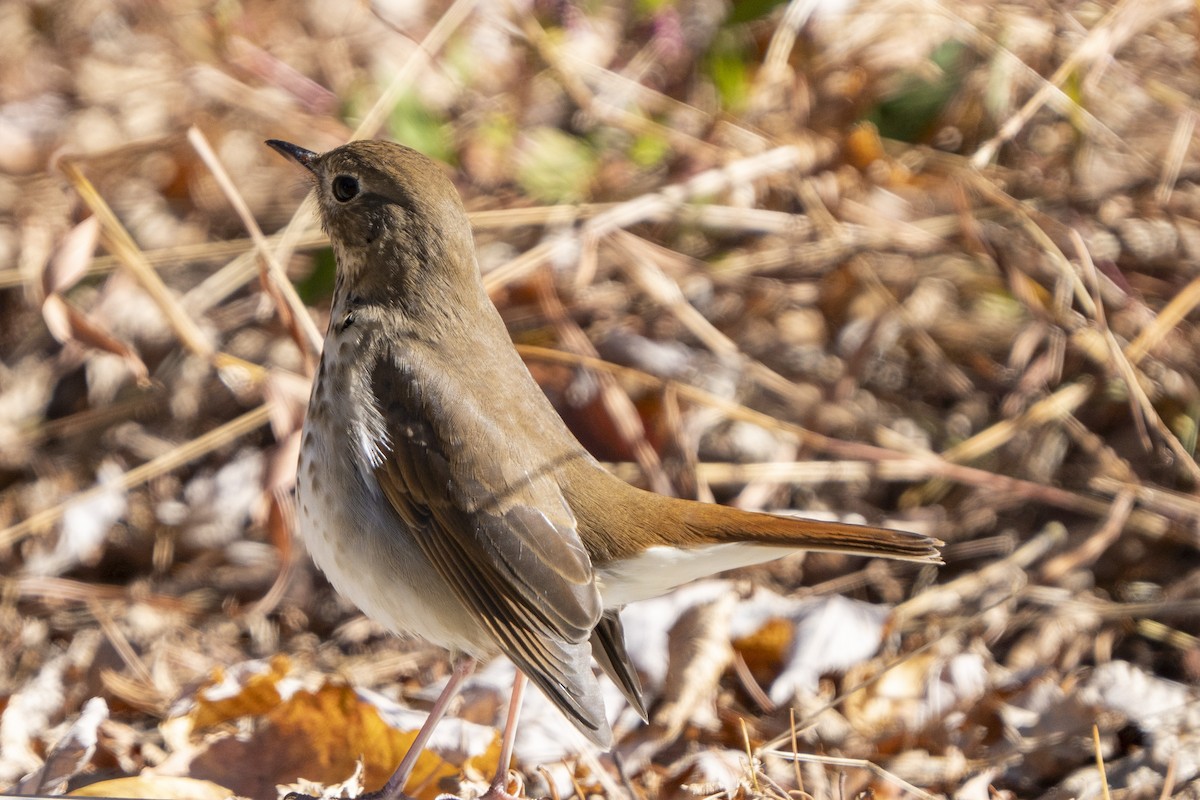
(1011, 572)
(854, 763)
(640, 256)
(1089, 551)
(274, 279)
(1100, 763)
(1173, 158)
(418, 60)
(172, 256)
(1144, 411)
(1174, 312)
(128, 253)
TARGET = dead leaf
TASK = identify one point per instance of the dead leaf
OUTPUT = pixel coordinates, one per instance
(67, 323)
(72, 257)
(161, 787)
(70, 755)
(249, 689)
(320, 736)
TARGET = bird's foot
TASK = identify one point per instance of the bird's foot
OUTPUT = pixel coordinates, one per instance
(499, 788)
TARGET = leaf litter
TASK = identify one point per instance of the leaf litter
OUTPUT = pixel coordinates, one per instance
(924, 265)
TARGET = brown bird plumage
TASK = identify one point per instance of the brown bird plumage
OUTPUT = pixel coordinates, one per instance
(441, 492)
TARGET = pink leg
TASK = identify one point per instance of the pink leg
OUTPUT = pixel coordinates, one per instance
(394, 788)
(500, 782)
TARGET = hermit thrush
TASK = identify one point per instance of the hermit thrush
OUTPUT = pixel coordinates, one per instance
(441, 493)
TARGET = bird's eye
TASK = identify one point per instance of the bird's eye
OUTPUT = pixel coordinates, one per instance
(345, 188)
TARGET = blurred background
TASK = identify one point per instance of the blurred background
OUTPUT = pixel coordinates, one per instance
(928, 265)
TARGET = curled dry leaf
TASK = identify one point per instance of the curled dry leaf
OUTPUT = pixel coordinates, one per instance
(71, 754)
(317, 734)
(72, 257)
(320, 736)
(249, 689)
(67, 323)
(698, 651)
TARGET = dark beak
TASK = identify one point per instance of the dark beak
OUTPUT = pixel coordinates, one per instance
(306, 158)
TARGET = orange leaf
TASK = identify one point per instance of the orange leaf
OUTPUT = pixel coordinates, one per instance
(324, 733)
(258, 694)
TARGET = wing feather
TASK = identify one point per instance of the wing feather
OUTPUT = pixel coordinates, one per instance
(496, 527)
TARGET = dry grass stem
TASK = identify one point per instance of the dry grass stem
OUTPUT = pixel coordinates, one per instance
(274, 278)
(853, 763)
(124, 248)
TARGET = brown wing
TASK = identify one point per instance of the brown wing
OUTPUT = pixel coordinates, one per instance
(484, 507)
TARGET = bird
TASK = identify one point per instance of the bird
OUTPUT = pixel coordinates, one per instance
(441, 493)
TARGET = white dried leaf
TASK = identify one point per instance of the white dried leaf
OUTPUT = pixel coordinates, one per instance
(85, 524)
(544, 736)
(28, 714)
(70, 261)
(216, 505)
(455, 739)
(832, 633)
(710, 772)
(70, 755)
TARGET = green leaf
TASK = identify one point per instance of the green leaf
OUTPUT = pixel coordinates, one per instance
(649, 150)
(725, 65)
(555, 167)
(648, 8)
(413, 124)
(912, 112)
(751, 10)
(317, 285)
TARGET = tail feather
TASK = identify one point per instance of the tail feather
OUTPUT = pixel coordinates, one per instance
(708, 524)
(608, 648)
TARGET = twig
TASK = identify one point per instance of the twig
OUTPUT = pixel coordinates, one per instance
(123, 247)
(127, 251)
(618, 117)
(950, 596)
(617, 403)
(859, 763)
(275, 279)
(1096, 544)
(640, 266)
(1144, 412)
(1117, 26)
(1100, 763)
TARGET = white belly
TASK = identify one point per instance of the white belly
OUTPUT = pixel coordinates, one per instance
(360, 543)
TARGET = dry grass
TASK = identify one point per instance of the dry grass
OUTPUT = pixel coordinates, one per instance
(981, 325)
